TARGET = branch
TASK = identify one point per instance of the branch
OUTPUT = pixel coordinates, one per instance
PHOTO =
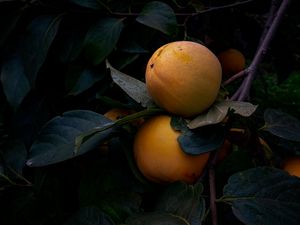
(238, 3)
(244, 90)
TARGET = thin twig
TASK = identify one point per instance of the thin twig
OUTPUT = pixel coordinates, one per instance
(238, 3)
(243, 91)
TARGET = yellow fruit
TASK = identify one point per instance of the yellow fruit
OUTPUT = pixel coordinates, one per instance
(183, 77)
(232, 62)
(159, 156)
(292, 165)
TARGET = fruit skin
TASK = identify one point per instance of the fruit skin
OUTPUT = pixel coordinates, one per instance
(159, 156)
(232, 61)
(292, 165)
(183, 77)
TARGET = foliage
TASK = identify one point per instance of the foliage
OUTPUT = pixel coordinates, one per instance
(64, 63)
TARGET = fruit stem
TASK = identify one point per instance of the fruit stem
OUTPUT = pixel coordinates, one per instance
(212, 188)
(244, 89)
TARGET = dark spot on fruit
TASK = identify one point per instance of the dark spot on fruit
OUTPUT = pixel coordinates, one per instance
(152, 65)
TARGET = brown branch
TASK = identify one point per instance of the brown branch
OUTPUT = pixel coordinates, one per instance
(243, 91)
(238, 3)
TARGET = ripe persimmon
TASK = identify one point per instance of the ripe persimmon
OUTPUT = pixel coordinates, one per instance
(232, 61)
(183, 77)
(159, 155)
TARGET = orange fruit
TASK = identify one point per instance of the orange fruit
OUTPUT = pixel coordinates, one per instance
(232, 61)
(183, 77)
(292, 165)
(117, 113)
(159, 156)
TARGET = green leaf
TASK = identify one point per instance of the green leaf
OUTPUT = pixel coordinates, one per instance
(156, 218)
(102, 38)
(264, 195)
(14, 156)
(183, 200)
(80, 79)
(7, 23)
(71, 45)
(282, 125)
(135, 88)
(14, 81)
(219, 110)
(89, 216)
(159, 16)
(92, 4)
(201, 140)
(57, 140)
(38, 38)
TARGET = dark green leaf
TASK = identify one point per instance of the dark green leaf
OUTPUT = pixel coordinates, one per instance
(56, 141)
(15, 155)
(183, 200)
(93, 4)
(159, 16)
(264, 195)
(201, 140)
(14, 81)
(156, 218)
(80, 79)
(282, 125)
(7, 24)
(38, 38)
(135, 88)
(102, 38)
(70, 47)
(89, 216)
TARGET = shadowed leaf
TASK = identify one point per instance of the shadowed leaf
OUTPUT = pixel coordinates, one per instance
(56, 141)
(264, 195)
(89, 216)
(38, 38)
(159, 16)
(201, 140)
(155, 218)
(282, 125)
(185, 201)
(93, 4)
(102, 38)
(17, 88)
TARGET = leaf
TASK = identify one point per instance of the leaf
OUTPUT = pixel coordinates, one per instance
(183, 200)
(93, 4)
(219, 110)
(15, 155)
(135, 88)
(102, 38)
(56, 141)
(264, 195)
(80, 79)
(155, 218)
(282, 125)
(14, 81)
(7, 23)
(201, 140)
(159, 16)
(71, 45)
(38, 38)
(89, 216)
